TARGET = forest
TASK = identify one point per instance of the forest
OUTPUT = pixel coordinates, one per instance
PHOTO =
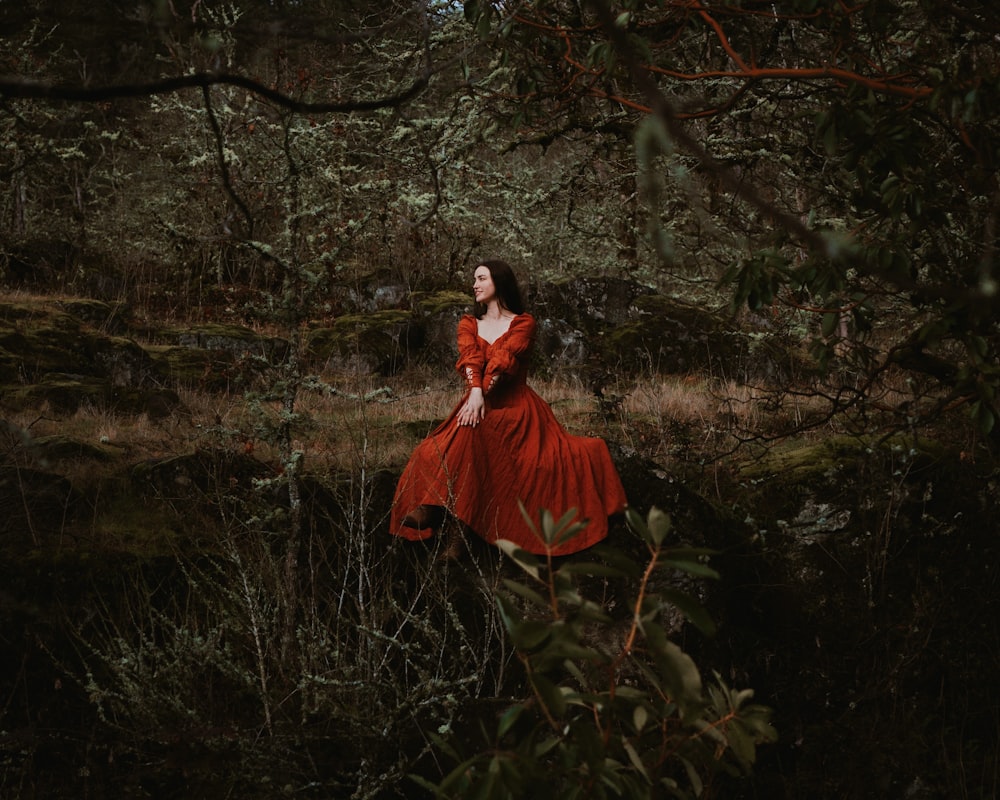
(759, 239)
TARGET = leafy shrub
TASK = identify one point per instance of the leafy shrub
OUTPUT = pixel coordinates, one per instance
(614, 707)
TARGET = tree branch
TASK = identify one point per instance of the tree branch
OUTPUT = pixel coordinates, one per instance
(664, 111)
(24, 88)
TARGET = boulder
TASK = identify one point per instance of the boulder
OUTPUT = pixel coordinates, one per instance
(35, 506)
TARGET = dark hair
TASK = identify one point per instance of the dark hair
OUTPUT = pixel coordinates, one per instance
(505, 283)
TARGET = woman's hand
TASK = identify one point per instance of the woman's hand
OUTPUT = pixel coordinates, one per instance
(474, 408)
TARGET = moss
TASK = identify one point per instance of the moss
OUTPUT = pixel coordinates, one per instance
(154, 403)
(210, 330)
(796, 462)
(109, 316)
(133, 525)
(61, 392)
(433, 303)
(682, 313)
(192, 366)
(65, 448)
(12, 312)
(234, 339)
(376, 320)
(378, 340)
(10, 366)
(43, 342)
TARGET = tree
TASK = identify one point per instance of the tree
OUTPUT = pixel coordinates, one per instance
(855, 145)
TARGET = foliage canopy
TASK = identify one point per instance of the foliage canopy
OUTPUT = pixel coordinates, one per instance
(831, 167)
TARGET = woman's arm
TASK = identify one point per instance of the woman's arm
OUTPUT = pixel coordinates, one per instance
(470, 365)
(470, 355)
(508, 351)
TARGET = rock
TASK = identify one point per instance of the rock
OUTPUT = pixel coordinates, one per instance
(35, 340)
(203, 472)
(121, 360)
(108, 317)
(235, 340)
(61, 392)
(379, 342)
(210, 370)
(34, 506)
(57, 447)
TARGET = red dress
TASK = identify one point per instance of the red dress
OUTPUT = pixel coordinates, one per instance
(519, 451)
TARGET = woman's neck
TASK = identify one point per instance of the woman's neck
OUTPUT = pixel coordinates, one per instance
(495, 311)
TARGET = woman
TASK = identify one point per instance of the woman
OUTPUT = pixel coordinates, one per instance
(502, 443)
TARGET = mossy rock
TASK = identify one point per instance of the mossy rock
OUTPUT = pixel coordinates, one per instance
(121, 360)
(154, 403)
(62, 393)
(673, 337)
(433, 303)
(42, 343)
(11, 363)
(110, 317)
(34, 505)
(377, 342)
(14, 311)
(236, 340)
(803, 461)
(212, 370)
(835, 484)
(40, 339)
(68, 393)
(131, 524)
(207, 472)
(68, 448)
(587, 304)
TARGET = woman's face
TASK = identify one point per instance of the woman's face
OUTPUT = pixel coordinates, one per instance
(482, 285)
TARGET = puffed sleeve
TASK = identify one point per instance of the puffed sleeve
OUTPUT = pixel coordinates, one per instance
(470, 355)
(507, 352)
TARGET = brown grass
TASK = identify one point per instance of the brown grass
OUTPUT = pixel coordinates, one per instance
(373, 423)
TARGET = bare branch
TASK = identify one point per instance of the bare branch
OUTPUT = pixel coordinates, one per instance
(20, 87)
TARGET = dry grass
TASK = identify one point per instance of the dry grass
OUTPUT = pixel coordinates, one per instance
(369, 422)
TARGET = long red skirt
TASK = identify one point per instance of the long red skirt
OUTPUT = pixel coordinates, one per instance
(518, 452)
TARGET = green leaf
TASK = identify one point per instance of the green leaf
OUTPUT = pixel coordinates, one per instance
(457, 780)
(423, 783)
(617, 560)
(548, 526)
(742, 745)
(593, 569)
(633, 756)
(696, 783)
(525, 560)
(526, 592)
(508, 613)
(692, 610)
(691, 567)
(562, 649)
(830, 139)
(483, 26)
(659, 525)
(635, 521)
(545, 746)
(529, 634)
(829, 324)
(566, 529)
(682, 676)
(510, 716)
(757, 719)
(549, 694)
(984, 417)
